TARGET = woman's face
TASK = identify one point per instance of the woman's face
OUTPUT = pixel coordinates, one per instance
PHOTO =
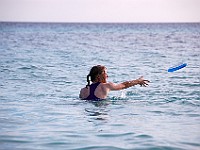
(103, 76)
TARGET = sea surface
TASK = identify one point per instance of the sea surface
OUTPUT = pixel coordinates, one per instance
(43, 66)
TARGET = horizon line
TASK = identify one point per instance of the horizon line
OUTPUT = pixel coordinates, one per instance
(98, 22)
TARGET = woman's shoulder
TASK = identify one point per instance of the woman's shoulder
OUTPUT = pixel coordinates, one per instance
(84, 92)
(107, 85)
(85, 89)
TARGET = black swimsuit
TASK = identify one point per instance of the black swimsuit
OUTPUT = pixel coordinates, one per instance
(92, 90)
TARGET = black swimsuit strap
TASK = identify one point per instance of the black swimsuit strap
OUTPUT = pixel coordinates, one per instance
(92, 90)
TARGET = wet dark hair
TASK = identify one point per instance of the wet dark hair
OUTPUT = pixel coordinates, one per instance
(94, 72)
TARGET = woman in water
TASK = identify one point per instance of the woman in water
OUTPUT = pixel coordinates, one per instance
(100, 88)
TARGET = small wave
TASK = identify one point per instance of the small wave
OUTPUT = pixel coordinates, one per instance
(95, 113)
(144, 136)
(190, 103)
(28, 67)
(115, 135)
(197, 145)
(99, 148)
(190, 84)
(14, 141)
(157, 112)
(117, 98)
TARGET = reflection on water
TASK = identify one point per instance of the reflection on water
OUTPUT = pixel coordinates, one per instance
(99, 111)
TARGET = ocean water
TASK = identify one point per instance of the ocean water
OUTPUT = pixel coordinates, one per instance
(44, 65)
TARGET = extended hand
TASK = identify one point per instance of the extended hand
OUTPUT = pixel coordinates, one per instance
(142, 81)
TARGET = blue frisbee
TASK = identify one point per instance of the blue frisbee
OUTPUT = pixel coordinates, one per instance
(175, 68)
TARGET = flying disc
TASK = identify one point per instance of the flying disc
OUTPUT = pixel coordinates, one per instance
(175, 68)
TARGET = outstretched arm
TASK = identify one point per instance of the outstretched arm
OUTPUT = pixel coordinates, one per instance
(141, 81)
(127, 84)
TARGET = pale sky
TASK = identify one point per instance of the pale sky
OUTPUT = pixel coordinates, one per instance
(100, 10)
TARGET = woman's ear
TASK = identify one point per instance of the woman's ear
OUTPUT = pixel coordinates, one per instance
(98, 77)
